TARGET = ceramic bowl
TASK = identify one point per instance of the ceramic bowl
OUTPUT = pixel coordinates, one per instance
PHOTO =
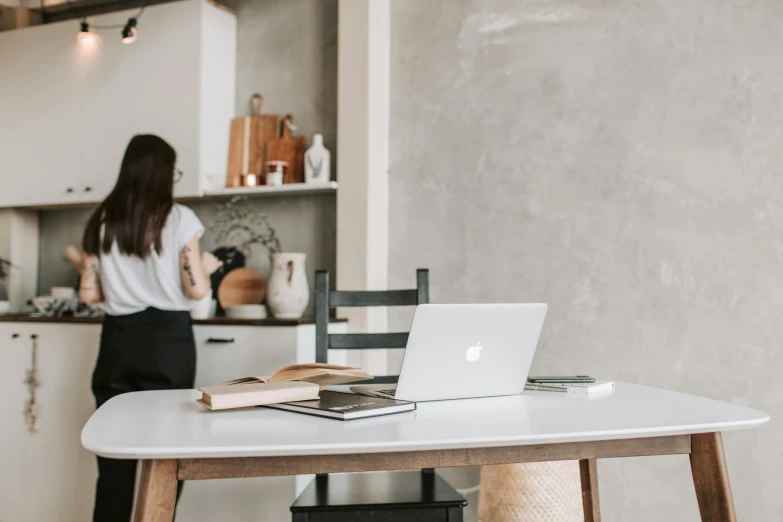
(249, 311)
(63, 292)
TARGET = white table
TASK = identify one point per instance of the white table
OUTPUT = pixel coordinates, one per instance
(177, 439)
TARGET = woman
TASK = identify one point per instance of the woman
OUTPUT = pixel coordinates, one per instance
(141, 255)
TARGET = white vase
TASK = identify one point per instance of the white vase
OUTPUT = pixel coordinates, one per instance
(317, 162)
(288, 292)
(201, 309)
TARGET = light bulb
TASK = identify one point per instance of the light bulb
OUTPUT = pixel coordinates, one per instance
(84, 35)
(129, 31)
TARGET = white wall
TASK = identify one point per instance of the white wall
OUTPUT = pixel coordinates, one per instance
(363, 197)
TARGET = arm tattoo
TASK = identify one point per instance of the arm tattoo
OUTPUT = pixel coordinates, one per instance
(89, 279)
(186, 266)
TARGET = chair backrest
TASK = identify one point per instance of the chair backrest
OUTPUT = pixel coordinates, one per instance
(326, 299)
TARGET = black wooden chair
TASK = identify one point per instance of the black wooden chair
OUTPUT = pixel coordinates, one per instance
(410, 496)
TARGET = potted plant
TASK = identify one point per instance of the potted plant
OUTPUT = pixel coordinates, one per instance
(5, 268)
(239, 225)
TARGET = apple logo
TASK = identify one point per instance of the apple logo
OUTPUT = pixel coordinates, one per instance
(473, 353)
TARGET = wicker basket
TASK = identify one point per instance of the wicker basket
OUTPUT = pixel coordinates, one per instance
(538, 492)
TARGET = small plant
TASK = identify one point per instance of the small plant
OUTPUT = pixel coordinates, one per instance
(238, 224)
(5, 269)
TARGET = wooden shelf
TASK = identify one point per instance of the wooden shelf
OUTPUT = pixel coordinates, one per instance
(292, 189)
(265, 190)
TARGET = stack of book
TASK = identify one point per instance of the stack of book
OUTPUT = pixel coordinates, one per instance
(298, 388)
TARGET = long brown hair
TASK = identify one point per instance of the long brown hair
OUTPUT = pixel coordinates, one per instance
(137, 208)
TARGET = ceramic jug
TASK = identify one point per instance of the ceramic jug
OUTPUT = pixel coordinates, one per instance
(288, 290)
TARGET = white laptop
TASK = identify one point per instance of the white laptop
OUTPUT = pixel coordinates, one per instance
(459, 351)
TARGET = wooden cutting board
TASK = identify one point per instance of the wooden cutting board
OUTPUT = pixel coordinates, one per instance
(289, 149)
(250, 136)
(241, 286)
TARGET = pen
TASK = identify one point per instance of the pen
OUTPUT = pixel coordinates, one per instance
(543, 387)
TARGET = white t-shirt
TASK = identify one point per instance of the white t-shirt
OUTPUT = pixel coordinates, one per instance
(131, 284)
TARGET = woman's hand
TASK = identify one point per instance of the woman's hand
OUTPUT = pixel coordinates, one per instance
(90, 290)
(76, 257)
(209, 263)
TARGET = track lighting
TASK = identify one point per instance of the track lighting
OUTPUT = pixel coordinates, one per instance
(129, 31)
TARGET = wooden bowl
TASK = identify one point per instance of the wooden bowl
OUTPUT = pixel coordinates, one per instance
(241, 286)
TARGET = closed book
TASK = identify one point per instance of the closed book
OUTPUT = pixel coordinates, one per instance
(579, 388)
(346, 406)
(256, 394)
(590, 387)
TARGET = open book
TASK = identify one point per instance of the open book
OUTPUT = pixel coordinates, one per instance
(318, 373)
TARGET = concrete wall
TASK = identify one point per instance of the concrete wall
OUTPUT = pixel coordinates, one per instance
(287, 51)
(620, 161)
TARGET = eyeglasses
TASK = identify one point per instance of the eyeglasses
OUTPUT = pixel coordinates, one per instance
(178, 175)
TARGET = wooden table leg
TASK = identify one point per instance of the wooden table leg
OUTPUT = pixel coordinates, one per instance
(588, 472)
(711, 478)
(157, 491)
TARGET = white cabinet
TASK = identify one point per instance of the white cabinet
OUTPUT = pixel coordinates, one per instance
(60, 473)
(16, 359)
(47, 475)
(40, 131)
(228, 352)
(70, 106)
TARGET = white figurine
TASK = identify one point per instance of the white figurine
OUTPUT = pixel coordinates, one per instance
(317, 162)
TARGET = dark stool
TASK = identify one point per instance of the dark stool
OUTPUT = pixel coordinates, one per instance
(387, 496)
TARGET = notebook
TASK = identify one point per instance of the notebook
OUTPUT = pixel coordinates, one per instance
(346, 406)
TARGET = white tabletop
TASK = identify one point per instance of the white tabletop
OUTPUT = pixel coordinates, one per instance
(169, 424)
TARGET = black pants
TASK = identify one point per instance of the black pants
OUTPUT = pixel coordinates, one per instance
(149, 350)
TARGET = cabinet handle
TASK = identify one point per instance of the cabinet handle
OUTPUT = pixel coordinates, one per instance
(69, 190)
(14, 336)
(87, 189)
(220, 340)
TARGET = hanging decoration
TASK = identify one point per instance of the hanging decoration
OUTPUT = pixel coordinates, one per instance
(32, 383)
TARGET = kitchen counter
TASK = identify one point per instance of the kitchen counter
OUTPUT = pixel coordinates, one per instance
(66, 349)
(220, 321)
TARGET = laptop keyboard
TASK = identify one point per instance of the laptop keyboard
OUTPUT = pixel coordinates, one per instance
(388, 392)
